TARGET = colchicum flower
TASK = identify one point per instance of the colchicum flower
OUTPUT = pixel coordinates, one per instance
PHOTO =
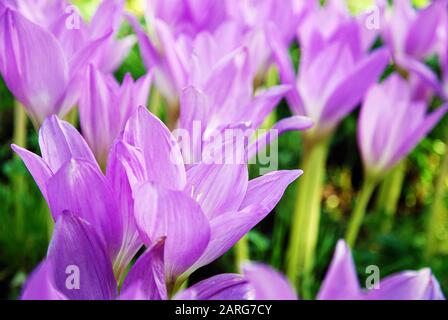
(147, 194)
(391, 124)
(43, 67)
(260, 282)
(413, 36)
(105, 107)
(334, 75)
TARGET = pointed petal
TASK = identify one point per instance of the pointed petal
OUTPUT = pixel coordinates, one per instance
(34, 65)
(36, 166)
(267, 283)
(419, 133)
(162, 154)
(149, 271)
(226, 230)
(39, 285)
(59, 141)
(292, 123)
(172, 214)
(80, 188)
(348, 94)
(76, 253)
(220, 287)
(341, 281)
(408, 285)
(267, 190)
(218, 188)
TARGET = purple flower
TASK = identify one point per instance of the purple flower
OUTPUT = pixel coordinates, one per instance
(414, 35)
(147, 194)
(334, 75)
(77, 267)
(43, 77)
(187, 17)
(261, 282)
(66, 23)
(105, 106)
(216, 201)
(391, 124)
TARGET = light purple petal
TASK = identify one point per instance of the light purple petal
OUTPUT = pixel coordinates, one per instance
(80, 188)
(341, 281)
(59, 141)
(149, 271)
(172, 214)
(408, 285)
(77, 253)
(350, 91)
(34, 68)
(39, 285)
(267, 283)
(161, 152)
(220, 287)
(36, 166)
(218, 188)
(267, 190)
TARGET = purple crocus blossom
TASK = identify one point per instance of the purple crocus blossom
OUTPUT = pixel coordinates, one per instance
(105, 106)
(64, 20)
(260, 282)
(413, 36)
(334, 75)
(147, 194)
(37, 70)
(77, 267)
(391, 124)
(216, 201)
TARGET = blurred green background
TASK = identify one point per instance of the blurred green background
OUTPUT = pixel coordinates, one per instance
(401, 247)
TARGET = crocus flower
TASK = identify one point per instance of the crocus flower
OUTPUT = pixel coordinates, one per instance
(187, 17)
(147, 194)
(334, 76)
(105, 106)
(37, 70)
(77, 267)
(64, 20)
(391, 124)
(261, 282)
(413, 36)
(202, 211)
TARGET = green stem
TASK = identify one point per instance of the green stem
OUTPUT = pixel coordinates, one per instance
(389, 195)
(20, 122)
(305, 223)
(358, 214)
(241, 252)
(438, 218)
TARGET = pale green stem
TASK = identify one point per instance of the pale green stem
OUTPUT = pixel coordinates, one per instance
(305, 223)
(20, 121)
(359, 211)
(241, 252)
(437, 228)
(389, 195)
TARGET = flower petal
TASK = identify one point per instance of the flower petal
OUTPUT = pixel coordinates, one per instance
(59, 141)
(220, 287)
(172, 214)
(149, 271)
(34, 68)
(39, 285)
(341, 281)
(162, 154)
(36, 166)
(267, 283)
(79, 263)
(80, 188)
